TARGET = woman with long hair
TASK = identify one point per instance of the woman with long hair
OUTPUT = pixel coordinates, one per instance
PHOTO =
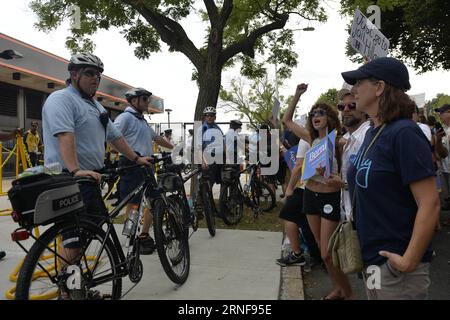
(321, 201)
(393, 179)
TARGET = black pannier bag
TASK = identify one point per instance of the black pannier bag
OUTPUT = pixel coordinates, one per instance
(40, 199)
(170, 182)
(229, 173)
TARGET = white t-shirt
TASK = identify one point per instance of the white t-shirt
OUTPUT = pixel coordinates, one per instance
(426, 130)
(303, 147)
(351, 148)
(445, 163)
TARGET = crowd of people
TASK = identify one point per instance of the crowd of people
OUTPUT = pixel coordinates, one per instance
(388, 168)
(384, 178)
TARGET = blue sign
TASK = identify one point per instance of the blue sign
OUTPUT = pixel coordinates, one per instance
(320, 156)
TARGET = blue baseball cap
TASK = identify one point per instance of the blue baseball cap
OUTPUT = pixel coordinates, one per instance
(390, 70)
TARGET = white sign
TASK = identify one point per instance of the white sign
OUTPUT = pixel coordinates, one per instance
(367, 39)
(419, 99)
(276, 108)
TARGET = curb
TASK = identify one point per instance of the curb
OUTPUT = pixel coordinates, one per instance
(291, 282)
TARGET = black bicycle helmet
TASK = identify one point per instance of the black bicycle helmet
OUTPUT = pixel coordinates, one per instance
(136, 92)
(85, 60)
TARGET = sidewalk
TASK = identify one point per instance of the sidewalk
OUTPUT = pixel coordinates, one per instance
(234, 265)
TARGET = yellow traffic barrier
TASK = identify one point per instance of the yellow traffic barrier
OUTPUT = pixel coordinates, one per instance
(52, 294)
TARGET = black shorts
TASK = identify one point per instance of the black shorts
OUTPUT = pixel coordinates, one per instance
(293, 208)
(328, 205)
(95, 211)
(131, 180)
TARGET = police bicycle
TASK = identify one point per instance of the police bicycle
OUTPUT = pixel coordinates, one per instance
(256, 194)
(95, 268)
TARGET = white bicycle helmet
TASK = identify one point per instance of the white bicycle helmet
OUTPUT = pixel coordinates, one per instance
(209, 110)
(85, 60)
(136, 92)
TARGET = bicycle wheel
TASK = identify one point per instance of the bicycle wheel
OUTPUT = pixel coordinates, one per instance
(231, 203)
(210, 208)
(93, 272)
(263, 196)
(171, 237)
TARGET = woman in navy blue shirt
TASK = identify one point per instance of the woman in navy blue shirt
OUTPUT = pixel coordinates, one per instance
(397, 203)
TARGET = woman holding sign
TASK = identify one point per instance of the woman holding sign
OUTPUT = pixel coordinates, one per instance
(321, 201)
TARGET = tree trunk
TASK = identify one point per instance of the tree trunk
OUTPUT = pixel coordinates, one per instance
(208, 93)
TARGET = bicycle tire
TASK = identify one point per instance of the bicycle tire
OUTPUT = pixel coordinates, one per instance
(210, 208)
(257, 192)
(169, 226)
(231, 204)
(84, 229)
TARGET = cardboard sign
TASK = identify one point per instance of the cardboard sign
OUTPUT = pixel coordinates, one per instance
(321, 155)
(367, 39)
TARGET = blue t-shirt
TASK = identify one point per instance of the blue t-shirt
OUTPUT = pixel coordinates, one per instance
(136, 131)
(66, 111)
(385, 206)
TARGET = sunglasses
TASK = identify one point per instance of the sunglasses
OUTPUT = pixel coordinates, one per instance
(210, 115)
(317, 113)
(92, 73)
(351, 106)
(145, 98)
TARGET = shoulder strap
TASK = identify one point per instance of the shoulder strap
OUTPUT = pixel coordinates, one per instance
(364, 156)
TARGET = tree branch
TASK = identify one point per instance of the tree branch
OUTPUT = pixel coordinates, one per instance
(227, 8)
(247, 45)
(171, 32)
(213, 12)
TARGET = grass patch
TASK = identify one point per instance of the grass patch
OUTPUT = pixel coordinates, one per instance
(268, 221)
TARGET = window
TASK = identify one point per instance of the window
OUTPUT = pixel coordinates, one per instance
(34, 103)
(8, 100)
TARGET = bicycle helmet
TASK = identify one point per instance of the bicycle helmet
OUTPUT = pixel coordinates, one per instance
(209, 110)
(236, 123)
(85, 60)
(136, 92)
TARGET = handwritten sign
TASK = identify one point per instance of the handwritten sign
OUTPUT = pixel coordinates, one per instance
(367, 39)
(320, 156)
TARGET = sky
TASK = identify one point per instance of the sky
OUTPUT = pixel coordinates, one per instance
(168, 75)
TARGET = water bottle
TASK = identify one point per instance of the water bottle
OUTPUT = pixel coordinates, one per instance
(53, 168)
(130, 223)
(190, 203)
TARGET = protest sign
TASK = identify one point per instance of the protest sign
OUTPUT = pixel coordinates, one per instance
(367, 39)
(290, 156)
(320, 156)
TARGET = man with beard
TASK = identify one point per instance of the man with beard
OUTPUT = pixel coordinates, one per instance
(356, 124)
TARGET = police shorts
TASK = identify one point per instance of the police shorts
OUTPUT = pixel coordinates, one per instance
(293, 208)
(130, 180)
(326, 204)
(95, 211)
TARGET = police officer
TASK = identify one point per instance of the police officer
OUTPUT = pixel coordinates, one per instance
(140, 137)
(75, 127)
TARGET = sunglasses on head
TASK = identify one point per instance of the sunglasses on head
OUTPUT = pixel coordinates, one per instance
(317, 113)
(92, 73)
(351, 106)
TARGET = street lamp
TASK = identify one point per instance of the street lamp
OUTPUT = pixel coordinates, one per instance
(10, 54)
(168, 116)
